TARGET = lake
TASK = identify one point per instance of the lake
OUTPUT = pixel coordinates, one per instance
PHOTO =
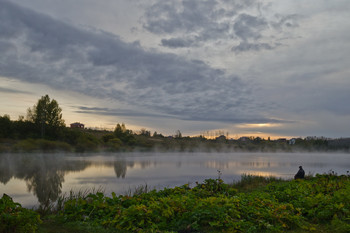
(34, 178)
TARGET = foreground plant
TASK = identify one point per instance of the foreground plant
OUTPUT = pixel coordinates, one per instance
(14, 218)
(316, 204)
(211, 206)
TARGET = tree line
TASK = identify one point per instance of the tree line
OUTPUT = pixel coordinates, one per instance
(44, 129)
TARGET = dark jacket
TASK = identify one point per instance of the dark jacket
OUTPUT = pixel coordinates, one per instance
(300, 174)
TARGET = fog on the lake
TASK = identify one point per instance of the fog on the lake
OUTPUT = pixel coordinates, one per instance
(38, 178)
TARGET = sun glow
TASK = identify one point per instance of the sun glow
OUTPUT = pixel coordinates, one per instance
(259, 125)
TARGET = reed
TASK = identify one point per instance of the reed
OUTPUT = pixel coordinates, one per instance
(53, 207)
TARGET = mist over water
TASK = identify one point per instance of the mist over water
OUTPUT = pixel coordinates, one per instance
(36, 178)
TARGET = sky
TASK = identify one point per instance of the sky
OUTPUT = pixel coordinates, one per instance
(272, 68)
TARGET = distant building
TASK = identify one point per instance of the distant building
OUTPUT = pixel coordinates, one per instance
(292, 141)
(221, 138)
(77, 125)
(244, 139)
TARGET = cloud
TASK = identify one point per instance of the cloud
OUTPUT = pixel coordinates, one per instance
(249, 27)
(245, 46)
(177, 42)
(96, 63)
(10, 90)
(194, 23)
(117, 112)
(194, 117)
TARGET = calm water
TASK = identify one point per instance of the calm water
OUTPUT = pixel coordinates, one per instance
(33, 178)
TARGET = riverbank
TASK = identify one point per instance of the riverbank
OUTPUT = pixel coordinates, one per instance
(102, 141)
(255, 204)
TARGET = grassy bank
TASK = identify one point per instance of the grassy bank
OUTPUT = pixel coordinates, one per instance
(255, 204)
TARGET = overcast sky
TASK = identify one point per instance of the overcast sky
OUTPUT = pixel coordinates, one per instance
(251, 68)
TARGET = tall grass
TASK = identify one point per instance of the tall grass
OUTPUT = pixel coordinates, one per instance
(57, 206)
(250, 182)
(137, 190)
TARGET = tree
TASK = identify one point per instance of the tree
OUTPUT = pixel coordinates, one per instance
(5, 126)
(46, 115)
(124, 134)
(145, 132)
(178, 134)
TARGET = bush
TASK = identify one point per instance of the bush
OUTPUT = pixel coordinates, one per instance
(33, 145)
(86, 142)
(14, 218)
(217, 207)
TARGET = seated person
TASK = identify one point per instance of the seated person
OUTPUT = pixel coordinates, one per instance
(300, 174)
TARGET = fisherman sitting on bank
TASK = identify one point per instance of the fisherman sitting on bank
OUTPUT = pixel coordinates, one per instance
(300, 174)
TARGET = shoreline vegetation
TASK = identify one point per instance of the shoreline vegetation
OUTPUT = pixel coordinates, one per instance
(89, 140)
(319, 203)
(44, 130)
(24, 137)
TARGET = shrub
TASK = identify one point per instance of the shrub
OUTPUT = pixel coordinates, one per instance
(14, 218)
(33, 145)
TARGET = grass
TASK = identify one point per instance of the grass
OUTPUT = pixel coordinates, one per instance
(137, 190)
(50, 208)
(252, 182)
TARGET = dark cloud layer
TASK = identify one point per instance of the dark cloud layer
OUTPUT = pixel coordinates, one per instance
(214, 20)
(135, 113)
(13, 91)
(40, 49)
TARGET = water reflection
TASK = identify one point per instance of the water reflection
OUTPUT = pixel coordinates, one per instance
(43, 174)
(46, 176)
(120, 168)
(46, 185)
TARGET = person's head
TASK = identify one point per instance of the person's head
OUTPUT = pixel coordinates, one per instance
(300, 167)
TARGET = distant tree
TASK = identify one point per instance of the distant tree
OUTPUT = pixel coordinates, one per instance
(5, 126)
(120, 130)
(178, 134)
(46, 115)
(145, 132)
(155, 134)
(124, 134)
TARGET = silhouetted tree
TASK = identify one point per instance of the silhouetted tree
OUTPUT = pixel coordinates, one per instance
(5, 126)
(145, 132)
(178, 134)
(46, 115)
(125, 135)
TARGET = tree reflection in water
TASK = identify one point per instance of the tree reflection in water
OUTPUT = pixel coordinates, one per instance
(5, 169)
(46, 185)
(43, 173)
(120, 168)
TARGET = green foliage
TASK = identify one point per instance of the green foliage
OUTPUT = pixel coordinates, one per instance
(320, 203)
(46, 111)
(5, 126)
(217, 207)
(86, 142)
(45, 121)
(24, 129)
(14, 218)
(107, 137)
(42, 145)
(124, 134)
(114, 144)
(250, 182)
(319, 199)
(47, 116)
